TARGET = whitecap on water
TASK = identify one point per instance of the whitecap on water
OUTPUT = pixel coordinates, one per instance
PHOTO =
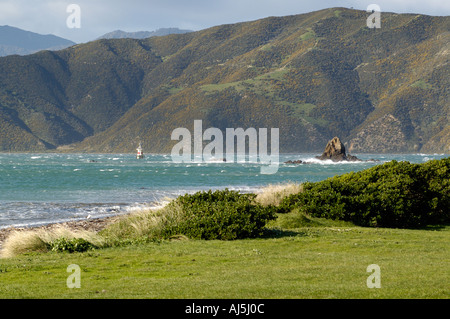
(329, 162)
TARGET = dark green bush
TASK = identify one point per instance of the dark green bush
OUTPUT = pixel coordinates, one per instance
(71, 245)
(394, 194)
(222, 214)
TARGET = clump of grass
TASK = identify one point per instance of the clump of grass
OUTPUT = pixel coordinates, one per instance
(21, 242)
(144, 225)
(273, 194)
(41, 240)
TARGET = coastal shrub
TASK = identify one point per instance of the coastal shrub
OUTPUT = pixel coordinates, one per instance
(394, 194)
(71, 245)
(222, 214)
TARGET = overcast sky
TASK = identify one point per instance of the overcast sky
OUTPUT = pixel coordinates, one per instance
(98, 17)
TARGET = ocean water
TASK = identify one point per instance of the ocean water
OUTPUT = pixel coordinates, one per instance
(37, 189)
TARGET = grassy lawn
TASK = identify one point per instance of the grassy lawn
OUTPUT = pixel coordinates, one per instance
(327, 260)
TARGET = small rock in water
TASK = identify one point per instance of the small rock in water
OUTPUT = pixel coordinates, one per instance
(295, 162)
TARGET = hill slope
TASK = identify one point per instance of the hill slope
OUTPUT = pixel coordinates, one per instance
(314, 76)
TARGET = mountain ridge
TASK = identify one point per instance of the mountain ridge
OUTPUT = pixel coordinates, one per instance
(120, 34)
(314, 76)
(17, 41)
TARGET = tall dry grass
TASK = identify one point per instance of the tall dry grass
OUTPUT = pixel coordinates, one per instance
(39, 240)
(273, 194)
(148, 223)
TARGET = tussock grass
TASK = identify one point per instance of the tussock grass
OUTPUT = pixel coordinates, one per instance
(39, 240)
(148, 224)
(131, 227)
(21, 242)
(273, 194)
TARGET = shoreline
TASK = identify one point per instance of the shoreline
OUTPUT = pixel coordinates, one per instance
(94, 224)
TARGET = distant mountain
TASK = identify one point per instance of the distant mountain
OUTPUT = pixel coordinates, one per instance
(314, 76)
(18, 41)
(119, 34)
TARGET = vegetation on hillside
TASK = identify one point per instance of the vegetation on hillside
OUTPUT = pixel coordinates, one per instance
(312, 75)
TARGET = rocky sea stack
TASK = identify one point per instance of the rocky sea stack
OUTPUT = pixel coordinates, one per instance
(335, 151)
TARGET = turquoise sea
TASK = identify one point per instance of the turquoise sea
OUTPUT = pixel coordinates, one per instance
(37, 189)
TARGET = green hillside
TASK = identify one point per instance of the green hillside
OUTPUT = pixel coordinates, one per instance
(313, 76)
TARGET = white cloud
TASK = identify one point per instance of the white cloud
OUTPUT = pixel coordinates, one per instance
(8, 10)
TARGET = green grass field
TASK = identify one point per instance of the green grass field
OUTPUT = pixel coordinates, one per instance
(318, 259)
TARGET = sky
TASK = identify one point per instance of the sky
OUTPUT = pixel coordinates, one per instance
(93, 18)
